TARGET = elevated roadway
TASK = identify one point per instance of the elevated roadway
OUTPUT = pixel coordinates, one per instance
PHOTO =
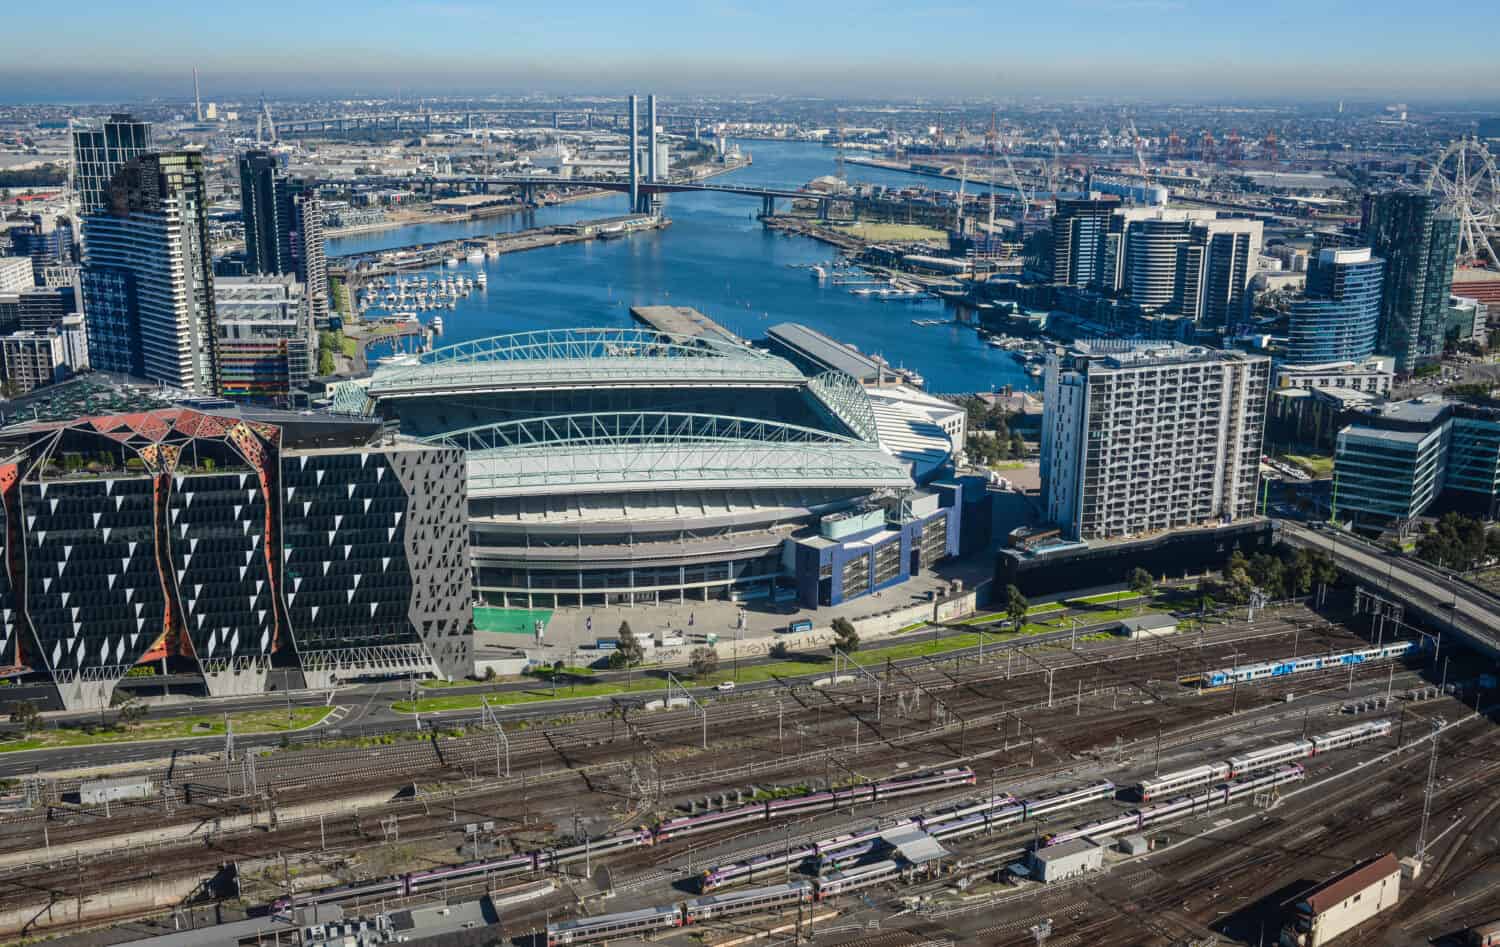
(1470, 613)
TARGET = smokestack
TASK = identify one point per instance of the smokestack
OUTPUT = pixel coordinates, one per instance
(651, 138)
(197, 99)
(635, 144)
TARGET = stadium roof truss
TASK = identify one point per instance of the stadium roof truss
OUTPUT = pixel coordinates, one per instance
(569, 357)
(666, 449)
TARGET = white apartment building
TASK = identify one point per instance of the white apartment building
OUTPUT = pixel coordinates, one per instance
(1140, 437)
(32, 360)
(1375, 374)
(15, 274)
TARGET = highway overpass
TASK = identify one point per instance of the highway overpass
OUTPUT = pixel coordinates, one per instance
(1444, 599)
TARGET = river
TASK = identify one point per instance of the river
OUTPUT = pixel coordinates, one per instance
(717, 258)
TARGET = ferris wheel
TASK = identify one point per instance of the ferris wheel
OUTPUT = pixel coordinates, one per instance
(1464, 173)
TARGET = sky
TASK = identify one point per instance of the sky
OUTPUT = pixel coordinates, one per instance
(115, 50)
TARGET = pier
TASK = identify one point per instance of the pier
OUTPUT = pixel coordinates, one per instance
(354, 267)
(682, 322)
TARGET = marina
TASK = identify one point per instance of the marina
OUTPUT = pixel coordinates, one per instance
(716, 257)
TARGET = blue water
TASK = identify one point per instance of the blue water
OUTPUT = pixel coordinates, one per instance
(717, 258)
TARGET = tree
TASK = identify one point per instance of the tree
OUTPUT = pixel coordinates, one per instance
(1016, 606)
(1142, 585)
(1267, 574)
(847, 637)
(27, 714)
(1456, 542)
(133, 712)
(704, 661)
(1298, 572)
(629, 653)
(1237, 584)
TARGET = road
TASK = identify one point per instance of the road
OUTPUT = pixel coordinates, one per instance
(1472, 614)
(366, 709)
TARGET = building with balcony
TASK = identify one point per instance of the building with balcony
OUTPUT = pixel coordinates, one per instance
(1418, 240)
(1139, 438)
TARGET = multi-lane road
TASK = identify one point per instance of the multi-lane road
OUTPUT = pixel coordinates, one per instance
(1469, 612)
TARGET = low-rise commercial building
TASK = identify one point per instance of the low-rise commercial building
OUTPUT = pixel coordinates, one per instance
(1375, 375)
(1342, 903)
(1067, 860)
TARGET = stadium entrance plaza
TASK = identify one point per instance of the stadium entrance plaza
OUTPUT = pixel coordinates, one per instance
(577, 629)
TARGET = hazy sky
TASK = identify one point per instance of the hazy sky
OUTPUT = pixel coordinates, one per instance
(109, 50)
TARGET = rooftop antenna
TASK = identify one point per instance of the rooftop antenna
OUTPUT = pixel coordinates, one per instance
(197, 98)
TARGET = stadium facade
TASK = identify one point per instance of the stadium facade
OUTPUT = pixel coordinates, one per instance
(624, 466)
(223, 545)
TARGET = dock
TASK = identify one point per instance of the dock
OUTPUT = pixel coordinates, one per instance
(356, 266)
(683, 322)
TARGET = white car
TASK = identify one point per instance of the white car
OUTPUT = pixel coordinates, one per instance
(724, 686)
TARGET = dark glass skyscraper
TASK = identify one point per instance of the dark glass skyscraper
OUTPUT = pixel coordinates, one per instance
(1078, 230)
(1338, 318)
(1418, 241)
(100, 150)
(283, 227)
(148, 274)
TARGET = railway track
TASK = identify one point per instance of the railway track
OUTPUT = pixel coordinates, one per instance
(983, 692)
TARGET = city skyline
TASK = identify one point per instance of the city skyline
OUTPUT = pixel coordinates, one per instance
(1178, 49)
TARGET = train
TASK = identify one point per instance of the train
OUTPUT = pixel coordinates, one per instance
(1265, 758)
(949, 822)
(893, 788)
(550, 858)
(1247, 673)
(1137, 819)
(683, 914)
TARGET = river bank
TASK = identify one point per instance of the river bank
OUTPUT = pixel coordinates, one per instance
(718, 258)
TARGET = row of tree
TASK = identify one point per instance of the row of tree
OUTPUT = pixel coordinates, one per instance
(1285, 575)
(1458, 542)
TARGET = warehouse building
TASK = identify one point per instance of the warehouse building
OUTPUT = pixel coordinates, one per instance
(1342, 903)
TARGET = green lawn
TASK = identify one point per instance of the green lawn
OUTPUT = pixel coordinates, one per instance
(879, 233)
(260, 721)
(511, 621)
(1319, 465)
(809, 663)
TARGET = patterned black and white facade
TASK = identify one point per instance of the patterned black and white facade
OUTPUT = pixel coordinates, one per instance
(207, 543)
(375, 557)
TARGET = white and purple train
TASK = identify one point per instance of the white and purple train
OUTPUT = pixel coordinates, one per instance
(1208, 774)
(1136, 819)
(949, 822)
(549, 858)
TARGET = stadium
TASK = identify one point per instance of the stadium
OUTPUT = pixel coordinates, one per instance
(625, 466)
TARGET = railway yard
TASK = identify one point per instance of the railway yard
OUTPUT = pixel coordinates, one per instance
(793, 813)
